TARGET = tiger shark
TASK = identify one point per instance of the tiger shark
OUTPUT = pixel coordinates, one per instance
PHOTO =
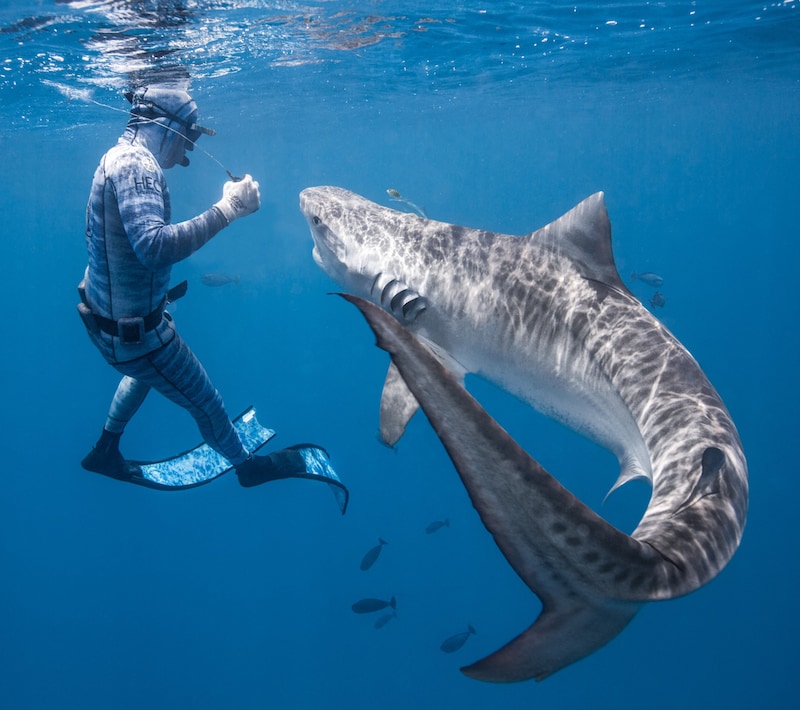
(546, 317)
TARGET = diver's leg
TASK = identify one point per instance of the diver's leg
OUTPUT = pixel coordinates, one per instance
(105, 456)
(175, 372)
(178, 375)
(127, 399)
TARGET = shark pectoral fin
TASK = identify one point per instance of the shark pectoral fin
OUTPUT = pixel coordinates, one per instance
(397, 407)
(630, 470)
(560, 636)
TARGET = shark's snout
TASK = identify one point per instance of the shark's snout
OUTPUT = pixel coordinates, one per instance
(307, 199)
(320, 205)
(310, 207)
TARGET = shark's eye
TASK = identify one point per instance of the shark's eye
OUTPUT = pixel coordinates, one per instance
(317, 220)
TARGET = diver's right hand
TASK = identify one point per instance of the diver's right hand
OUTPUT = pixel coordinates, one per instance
(239, 198)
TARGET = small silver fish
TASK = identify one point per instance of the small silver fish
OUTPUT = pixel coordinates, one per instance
(397, 197)
(453, 643)
(369, 559)
(217, 280)
(367, 606)
(658, 300)
(437, 525)
(385, 619)
(649, 278)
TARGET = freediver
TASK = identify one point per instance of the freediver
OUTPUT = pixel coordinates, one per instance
(132, 246)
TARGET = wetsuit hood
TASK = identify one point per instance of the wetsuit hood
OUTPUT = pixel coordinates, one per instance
(165, 119)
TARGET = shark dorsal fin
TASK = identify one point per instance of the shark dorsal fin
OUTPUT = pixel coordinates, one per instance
(584, 235)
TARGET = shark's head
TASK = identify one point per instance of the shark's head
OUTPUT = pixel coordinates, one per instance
(349, 235)
(323, 209)
(364, 247)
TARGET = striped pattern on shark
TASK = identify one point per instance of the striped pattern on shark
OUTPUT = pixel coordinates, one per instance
(546, 317)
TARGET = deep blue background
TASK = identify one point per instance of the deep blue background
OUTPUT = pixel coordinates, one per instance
(114, 596)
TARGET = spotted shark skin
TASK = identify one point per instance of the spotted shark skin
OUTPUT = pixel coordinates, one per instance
(546, 317)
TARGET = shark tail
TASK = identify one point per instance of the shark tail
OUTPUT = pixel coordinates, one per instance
(559, 637)
(584, 605)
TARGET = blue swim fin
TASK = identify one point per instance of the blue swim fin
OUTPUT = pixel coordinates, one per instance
(299, 461)
(202, 464)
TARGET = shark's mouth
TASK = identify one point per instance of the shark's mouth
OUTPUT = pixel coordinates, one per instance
(329, 251)
(317, 256)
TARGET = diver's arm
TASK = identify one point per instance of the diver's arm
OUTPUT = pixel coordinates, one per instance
(158, 245)
(142, 199)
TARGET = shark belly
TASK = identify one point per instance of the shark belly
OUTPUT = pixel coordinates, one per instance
(540, 356)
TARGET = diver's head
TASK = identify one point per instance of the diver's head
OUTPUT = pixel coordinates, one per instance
(165, 119)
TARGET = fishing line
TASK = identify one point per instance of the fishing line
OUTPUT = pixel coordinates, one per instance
(84, 96)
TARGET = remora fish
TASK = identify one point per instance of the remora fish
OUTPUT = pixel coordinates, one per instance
(547, 317)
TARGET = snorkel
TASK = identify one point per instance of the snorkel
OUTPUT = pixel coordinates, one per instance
(164, 107)
(192, 133)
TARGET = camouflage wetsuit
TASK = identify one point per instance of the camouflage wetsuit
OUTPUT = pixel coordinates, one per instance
(132, 247)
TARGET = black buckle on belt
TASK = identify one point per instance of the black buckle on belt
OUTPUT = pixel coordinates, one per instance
(131, 330)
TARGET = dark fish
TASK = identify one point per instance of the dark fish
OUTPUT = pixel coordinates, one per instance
(216, 280)
(367, 606)
(369, 559)
(649, 278)
(455, 642)
(658, 300)
(437, 525)
(385, 619)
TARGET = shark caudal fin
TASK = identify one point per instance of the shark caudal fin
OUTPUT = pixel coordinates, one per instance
(582, 568)
(560, 636)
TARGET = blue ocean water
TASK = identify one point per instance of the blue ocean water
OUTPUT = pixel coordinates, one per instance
(496, 115)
